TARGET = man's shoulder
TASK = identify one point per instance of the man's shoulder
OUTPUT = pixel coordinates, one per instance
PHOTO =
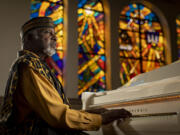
(28, 61)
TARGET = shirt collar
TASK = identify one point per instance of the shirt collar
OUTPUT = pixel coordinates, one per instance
(23, 52)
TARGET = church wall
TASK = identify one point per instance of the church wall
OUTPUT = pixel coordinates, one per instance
(71, 53)
(13, 14)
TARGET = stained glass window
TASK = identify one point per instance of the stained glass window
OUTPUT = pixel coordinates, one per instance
(91, 48)
(178, 34)
(55, 10)
(141, 41)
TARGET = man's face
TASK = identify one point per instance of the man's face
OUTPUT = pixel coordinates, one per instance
(45, 40)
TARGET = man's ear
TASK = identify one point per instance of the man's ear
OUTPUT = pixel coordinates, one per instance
(30, 36)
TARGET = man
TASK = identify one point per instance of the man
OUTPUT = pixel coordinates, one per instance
(35, 102)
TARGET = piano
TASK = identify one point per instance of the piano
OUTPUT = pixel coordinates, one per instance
(153, 98)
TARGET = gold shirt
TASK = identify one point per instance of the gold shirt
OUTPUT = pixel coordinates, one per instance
(36, 94)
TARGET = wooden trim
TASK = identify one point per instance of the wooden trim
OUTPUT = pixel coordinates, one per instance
(144, 101)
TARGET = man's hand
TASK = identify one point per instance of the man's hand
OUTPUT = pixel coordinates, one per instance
(111, 115)
(97, 111)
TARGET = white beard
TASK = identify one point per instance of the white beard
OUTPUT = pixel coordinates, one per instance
(49, 51)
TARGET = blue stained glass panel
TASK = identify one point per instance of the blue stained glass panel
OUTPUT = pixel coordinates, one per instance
(55, 10)
(141, 41)
(91, 48)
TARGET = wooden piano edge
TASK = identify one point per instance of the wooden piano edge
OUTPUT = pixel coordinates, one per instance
(155, 114)
(138, 102)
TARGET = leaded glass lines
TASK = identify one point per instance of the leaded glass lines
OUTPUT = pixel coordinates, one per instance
(178, 34)
(141, 41)
(55, 10)
(91, 72)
